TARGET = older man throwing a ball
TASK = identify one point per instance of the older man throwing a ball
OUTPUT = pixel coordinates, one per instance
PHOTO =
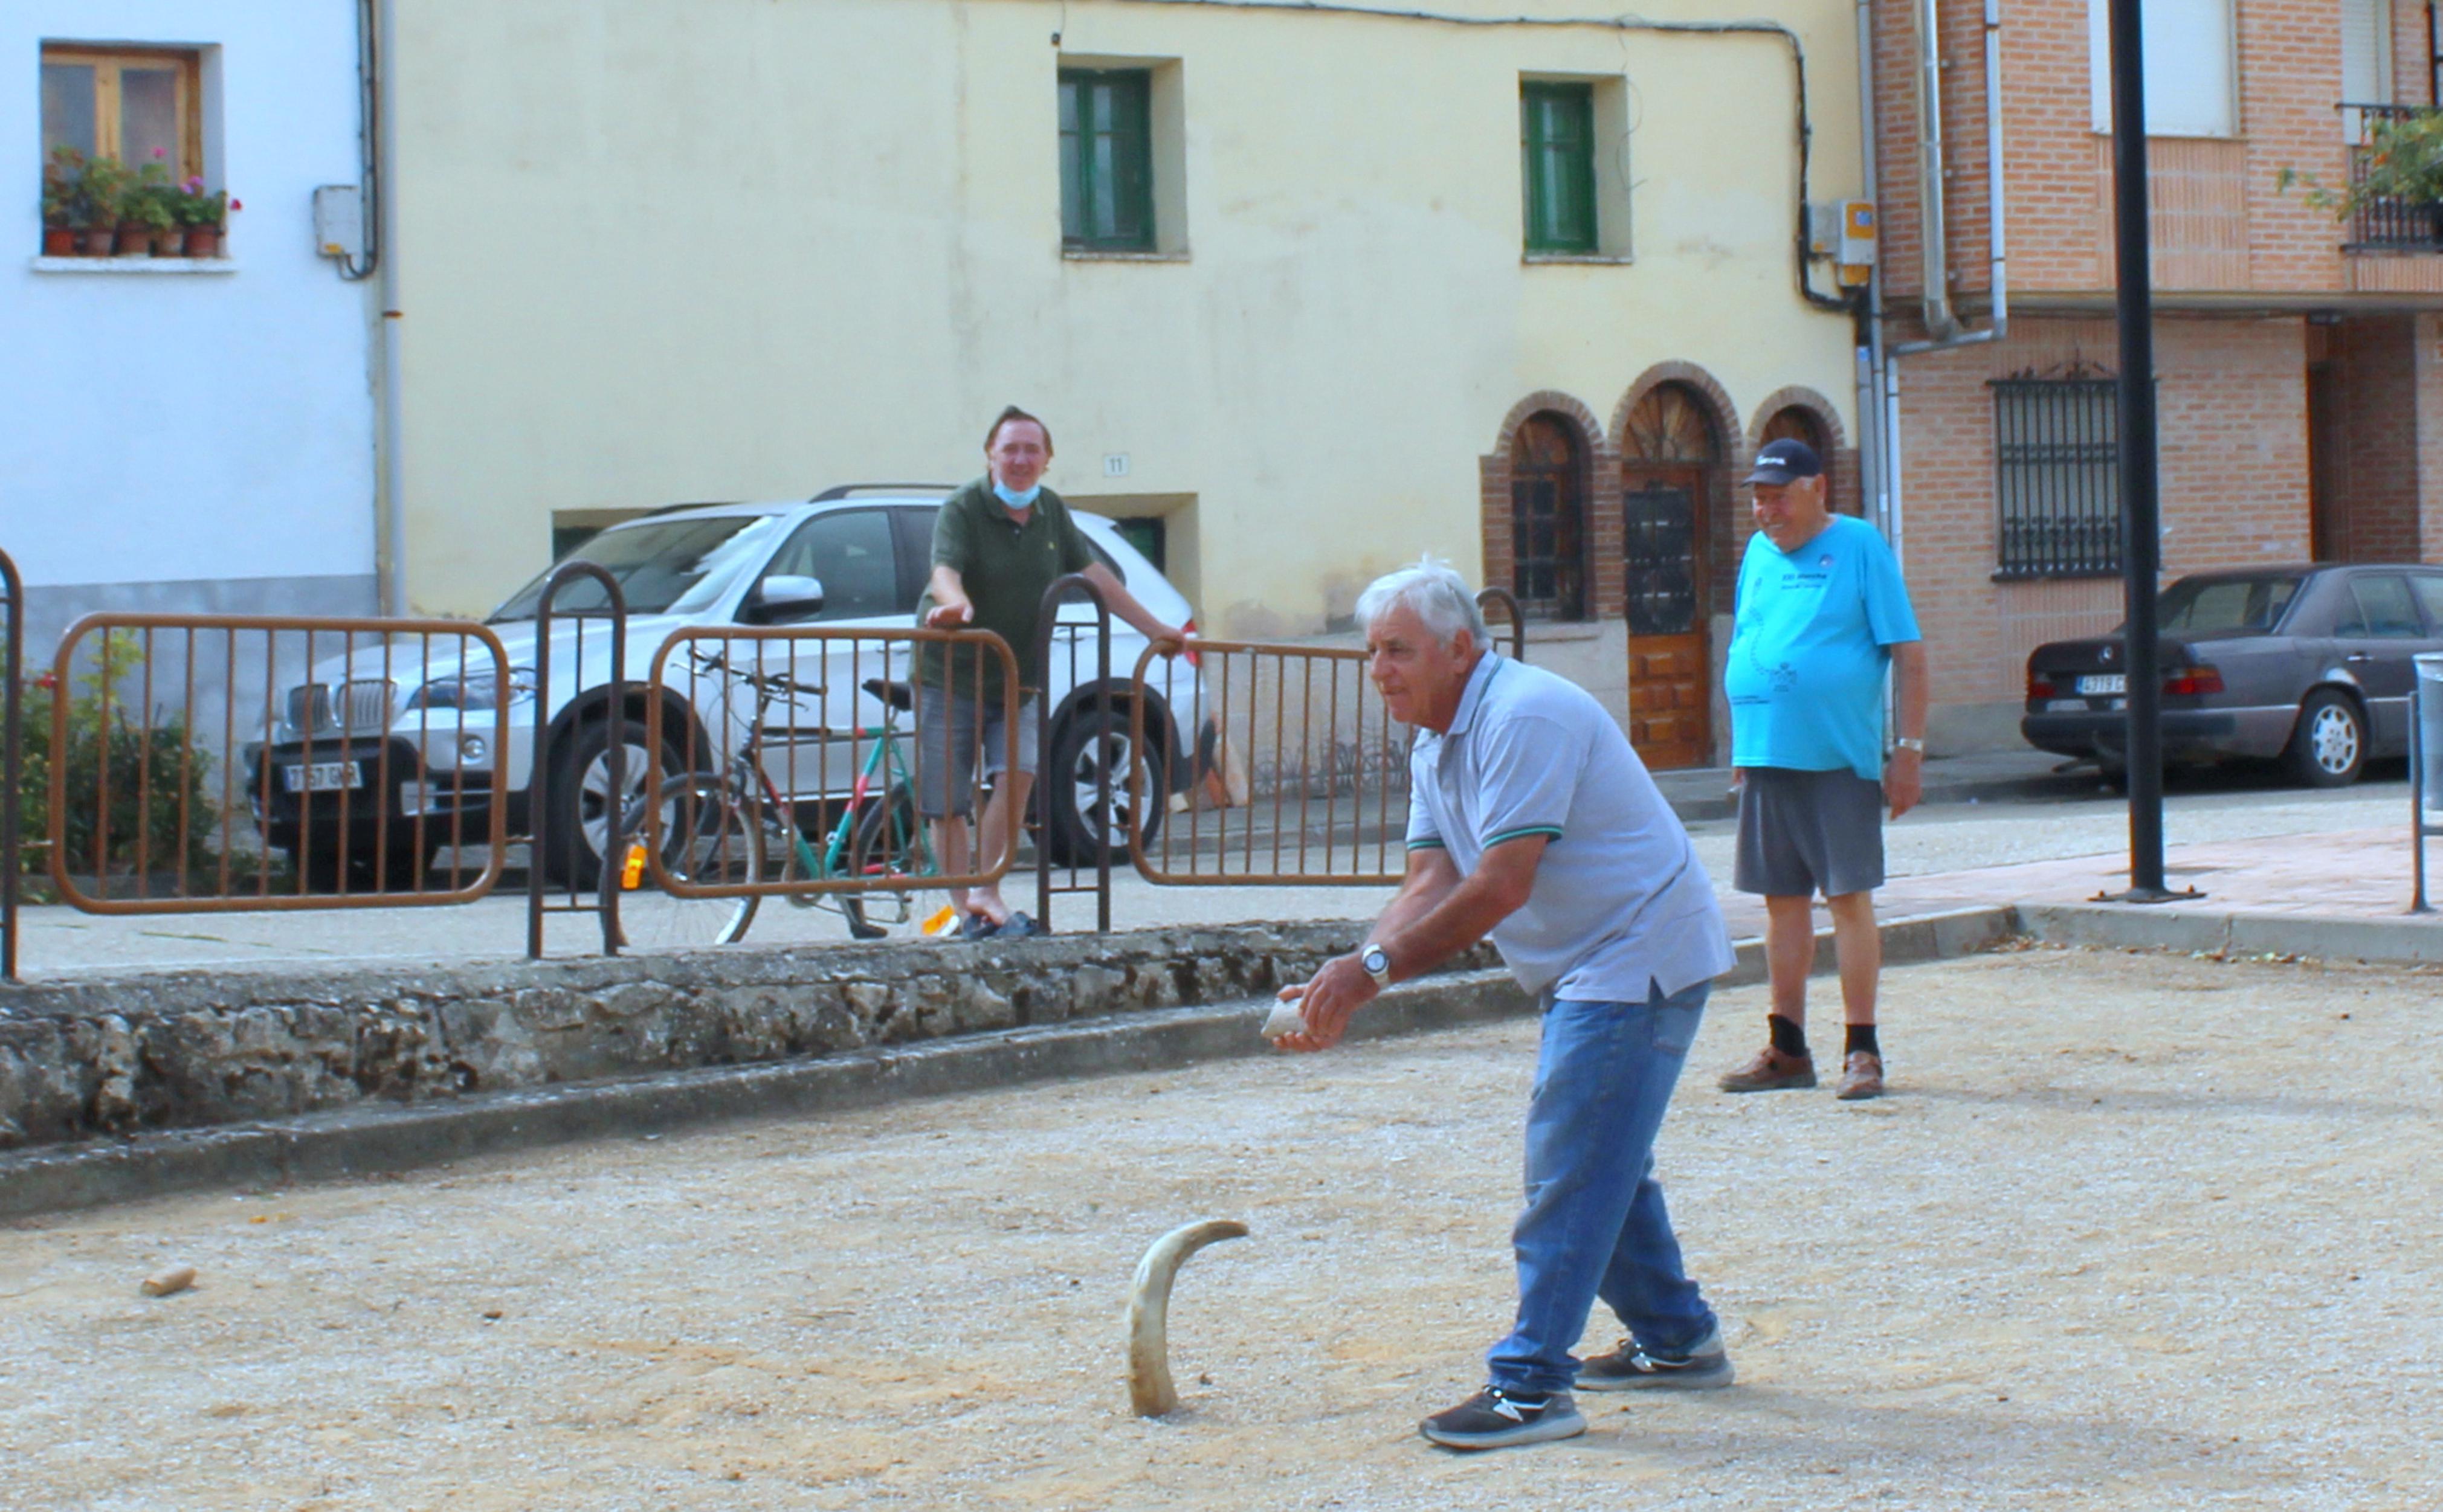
(1531, 820)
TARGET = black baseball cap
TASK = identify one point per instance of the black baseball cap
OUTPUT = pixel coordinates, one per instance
(1783, 461)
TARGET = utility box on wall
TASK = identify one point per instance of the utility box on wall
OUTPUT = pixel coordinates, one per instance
(339, 222)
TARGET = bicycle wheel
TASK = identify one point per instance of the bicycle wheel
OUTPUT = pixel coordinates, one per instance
(706, 839)
(885, 843)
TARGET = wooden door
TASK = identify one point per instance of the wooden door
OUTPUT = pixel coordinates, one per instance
(1670, 672)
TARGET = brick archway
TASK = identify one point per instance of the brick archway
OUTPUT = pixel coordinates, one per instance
(1840, 458)
(1598, 467)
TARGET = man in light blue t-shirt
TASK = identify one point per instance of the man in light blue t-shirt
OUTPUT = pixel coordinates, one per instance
(1822, 613)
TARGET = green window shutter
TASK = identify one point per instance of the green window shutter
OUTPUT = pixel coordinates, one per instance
(1557, 146)
(1107, 159)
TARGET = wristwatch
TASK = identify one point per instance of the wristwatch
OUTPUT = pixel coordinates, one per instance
(1909, 742)
(1377, 962)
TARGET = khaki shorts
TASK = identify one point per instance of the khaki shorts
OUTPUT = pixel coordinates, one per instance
(946, 748)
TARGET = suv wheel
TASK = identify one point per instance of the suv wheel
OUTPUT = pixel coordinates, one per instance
(579, 826)
(1080, 752)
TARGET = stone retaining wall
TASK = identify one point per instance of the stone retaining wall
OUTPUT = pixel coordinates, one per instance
(187, 1050)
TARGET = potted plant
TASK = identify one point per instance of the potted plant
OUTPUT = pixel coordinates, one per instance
(204, 216)
(2404, 166)
(101, 193)
(152, 206)
(60, 202)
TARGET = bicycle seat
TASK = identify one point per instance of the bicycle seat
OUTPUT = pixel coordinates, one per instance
(898, 695)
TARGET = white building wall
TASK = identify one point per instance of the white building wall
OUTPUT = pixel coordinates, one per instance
(191, 440)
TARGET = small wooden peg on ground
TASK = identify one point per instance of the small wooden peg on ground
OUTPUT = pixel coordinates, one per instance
(169, 1282)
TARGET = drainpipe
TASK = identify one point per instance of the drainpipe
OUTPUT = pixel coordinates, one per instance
(1941, 325)
(1875, 461)
(392, 542)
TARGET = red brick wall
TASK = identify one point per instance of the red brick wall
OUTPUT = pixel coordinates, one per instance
(2059, 179)
(2232, 462)
(2375, 362)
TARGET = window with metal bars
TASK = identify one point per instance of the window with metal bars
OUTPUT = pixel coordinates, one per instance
(1107, 159)
(2057, 477)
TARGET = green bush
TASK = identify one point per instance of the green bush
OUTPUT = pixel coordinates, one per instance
(145, 783)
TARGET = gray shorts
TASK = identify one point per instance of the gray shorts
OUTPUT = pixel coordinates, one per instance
(1806, 832)
(947, 748)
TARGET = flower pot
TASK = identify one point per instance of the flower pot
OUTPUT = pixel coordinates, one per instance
(59, 241)
(203, 241)
(96, 241)
(133, 241)
(170, 242)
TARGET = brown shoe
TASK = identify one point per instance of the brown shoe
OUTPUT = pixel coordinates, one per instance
(1862, 1076)
(1771, 1072)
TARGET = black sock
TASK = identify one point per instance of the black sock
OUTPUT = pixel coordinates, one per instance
(1861, 1037)
(1789, 1035)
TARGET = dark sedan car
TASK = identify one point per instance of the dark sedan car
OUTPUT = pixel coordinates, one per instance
(2309, 664)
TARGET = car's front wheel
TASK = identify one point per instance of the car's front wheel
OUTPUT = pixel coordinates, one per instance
(2328, 744)
(1083, 752)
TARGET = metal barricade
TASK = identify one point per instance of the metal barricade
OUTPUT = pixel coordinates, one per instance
(12, 767)
(1068, 816)
(2425, 768)
(1312, 770)
(218, 762)
(792, 762)
(1488, 600)
(547, 830)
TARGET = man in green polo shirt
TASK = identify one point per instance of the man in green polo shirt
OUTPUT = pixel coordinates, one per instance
(998, 544)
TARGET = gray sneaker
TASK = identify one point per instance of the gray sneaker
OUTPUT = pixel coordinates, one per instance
(1494, 1419)
(1630, 1367)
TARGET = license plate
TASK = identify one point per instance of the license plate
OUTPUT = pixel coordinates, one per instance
(2103, 683)
(324, 777)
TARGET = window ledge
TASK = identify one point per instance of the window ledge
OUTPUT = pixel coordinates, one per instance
(1584, 259)
(1095, 254)
(1541, 632)
(134, 265)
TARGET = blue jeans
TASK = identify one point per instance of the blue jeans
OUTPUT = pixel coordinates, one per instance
(1594, 1225)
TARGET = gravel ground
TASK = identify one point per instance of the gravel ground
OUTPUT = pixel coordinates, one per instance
(2132, 1232)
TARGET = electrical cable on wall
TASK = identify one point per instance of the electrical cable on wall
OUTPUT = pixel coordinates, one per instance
(1617, 24)
(368, 153)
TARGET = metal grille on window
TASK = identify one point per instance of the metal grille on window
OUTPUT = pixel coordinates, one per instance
(2057, 477)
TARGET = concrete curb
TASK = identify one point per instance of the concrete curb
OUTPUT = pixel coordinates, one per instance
(363, 1142)
(2406, 940)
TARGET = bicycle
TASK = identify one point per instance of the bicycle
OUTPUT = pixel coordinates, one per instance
(728, 827)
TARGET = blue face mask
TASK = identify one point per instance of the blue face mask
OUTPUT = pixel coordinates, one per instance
(1016, 500)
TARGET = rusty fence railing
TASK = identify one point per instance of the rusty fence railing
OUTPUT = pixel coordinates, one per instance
(212, 763)
(1489, 601)
(1311, 769)
(587, 826)
(12, 763)
(1080, 814)
(803, 763)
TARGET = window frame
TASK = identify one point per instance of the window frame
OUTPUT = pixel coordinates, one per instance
(109, 64)
(2026, 497)
(1131, 186)
(1535, 150)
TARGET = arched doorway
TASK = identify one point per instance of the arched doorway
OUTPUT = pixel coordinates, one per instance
(1548, 518)
(1797, 423)
(1671, 458)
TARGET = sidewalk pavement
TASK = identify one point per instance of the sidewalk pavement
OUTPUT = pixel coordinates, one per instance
(1704, 792)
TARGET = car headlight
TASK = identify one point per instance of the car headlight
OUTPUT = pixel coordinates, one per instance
(474, 692)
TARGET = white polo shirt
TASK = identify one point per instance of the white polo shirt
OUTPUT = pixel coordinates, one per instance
(1620, 904)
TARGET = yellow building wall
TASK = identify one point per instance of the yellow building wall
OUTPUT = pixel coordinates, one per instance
(665, 250)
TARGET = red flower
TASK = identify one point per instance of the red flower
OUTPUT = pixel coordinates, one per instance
(47, 681)
(237, 204)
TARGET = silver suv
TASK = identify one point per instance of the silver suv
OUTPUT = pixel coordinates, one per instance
(854, 558)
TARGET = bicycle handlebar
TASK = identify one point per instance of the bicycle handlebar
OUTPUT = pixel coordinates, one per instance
(771, 685)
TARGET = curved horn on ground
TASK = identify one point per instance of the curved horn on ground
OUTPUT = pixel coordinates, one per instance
(1149, 1389)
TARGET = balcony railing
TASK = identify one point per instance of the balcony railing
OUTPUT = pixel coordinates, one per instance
(2386, 223)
